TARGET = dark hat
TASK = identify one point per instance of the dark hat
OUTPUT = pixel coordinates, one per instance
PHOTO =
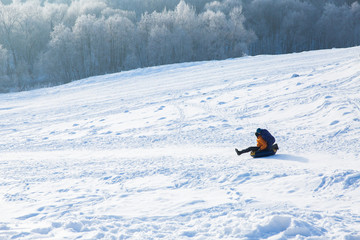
(258, 130)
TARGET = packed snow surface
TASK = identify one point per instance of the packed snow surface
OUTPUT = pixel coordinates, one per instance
(149, 153)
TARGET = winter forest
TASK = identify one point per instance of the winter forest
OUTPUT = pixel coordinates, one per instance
(51, 42)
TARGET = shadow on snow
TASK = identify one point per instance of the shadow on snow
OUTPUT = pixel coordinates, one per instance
(289, 157)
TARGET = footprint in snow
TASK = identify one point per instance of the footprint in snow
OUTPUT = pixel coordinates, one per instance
(160, 108)
(40, 209)
(74, 226)
(28, 216)
(334, 122)
(189, 234)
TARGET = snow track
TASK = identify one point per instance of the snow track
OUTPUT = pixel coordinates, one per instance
(149, 153)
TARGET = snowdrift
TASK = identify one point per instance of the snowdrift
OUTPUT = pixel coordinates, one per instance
(149, 153)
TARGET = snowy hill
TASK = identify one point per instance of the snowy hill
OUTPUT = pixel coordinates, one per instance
(149, 153)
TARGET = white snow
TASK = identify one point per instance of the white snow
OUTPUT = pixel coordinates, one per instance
(149, 153)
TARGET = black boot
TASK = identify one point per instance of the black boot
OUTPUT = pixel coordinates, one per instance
(238, 152)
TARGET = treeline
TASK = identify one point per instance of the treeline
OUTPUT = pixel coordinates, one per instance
(51, 42)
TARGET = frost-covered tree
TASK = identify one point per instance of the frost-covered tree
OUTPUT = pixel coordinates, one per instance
(34, 33)
(5, 83)
(121, 37)
(213, 30)
(3, 61)
(10, 35)
(355, 16)
(336, 26)
(238, 37)
(24, 33)
(59, 62)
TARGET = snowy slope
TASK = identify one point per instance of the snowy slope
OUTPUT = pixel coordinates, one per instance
(149, 153)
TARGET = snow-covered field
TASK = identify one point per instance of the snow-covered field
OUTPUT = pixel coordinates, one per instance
(149, 153)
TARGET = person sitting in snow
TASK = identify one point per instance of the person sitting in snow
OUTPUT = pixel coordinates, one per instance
(264, 140)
